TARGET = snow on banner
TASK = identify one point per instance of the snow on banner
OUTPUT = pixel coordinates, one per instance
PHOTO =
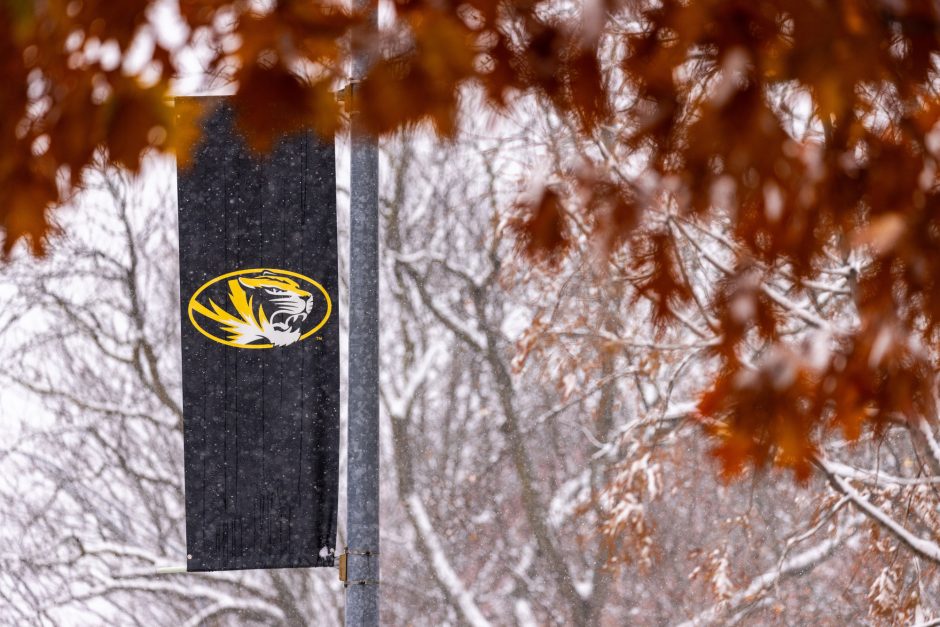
(260, 347)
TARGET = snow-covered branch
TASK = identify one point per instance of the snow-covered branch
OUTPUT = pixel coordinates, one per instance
(798, 564)
(443, 571)
(877, 477)
(925, 548)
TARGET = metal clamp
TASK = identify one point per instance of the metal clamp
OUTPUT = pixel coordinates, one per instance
(343, 566)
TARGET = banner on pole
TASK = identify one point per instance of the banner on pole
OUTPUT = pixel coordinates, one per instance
(260, 348)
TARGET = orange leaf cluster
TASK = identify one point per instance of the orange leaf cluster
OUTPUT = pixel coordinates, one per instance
(763, 415)
(660, 278)
(777, 411)
(72, 94)
(66, 95)
(806, 133)
(814, 123)
(541, 228)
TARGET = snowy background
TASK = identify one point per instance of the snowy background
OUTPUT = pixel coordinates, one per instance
(541, 461)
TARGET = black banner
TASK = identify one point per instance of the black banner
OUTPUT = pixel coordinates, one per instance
(260, 334)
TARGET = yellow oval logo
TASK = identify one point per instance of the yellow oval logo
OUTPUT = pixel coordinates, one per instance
(260, 308)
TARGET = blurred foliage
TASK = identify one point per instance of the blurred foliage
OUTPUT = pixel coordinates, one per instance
(808, 133)
(700, 92)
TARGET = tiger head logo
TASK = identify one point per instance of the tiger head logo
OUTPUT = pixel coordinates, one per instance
(270, 309)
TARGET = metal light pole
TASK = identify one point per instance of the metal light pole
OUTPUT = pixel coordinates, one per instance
(362, 517)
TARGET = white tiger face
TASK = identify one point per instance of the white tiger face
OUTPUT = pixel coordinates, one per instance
(278, 307)
(260, 309)
(285, 304)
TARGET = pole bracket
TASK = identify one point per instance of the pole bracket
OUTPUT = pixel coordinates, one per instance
(344, 564)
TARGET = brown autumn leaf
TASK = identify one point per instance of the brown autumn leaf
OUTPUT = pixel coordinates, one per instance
(135, 119)
(660, 278)
(882, 233)
(20, 195)
(742, 309)
(201, 13)
(876, 380)
(497, 69)
(266, 90)
(763, 416)
(186, 128)
(613, 208)
(69, 130)
(109, 20)
(585, 84)
(541, 228)
(422, 84)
